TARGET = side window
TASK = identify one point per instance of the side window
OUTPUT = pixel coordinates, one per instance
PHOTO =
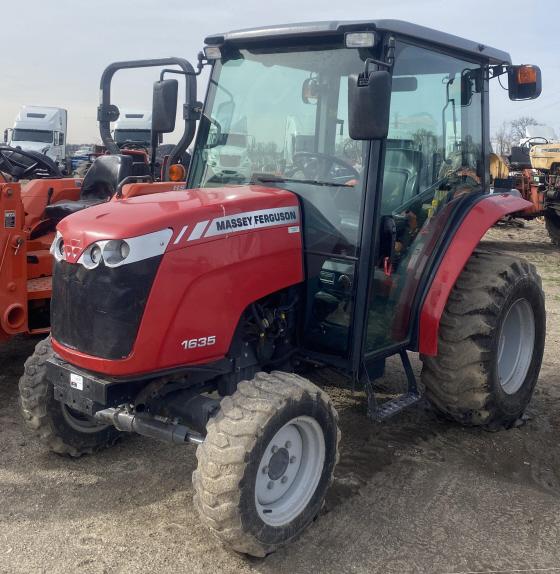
(432, 136)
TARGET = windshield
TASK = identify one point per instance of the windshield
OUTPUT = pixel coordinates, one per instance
(22, 135)
(140, 136)
(280, 118)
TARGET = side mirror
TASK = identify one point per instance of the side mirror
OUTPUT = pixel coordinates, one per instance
(310, 91)
(369, 100)
(472, 82)
(466, 91)
(524, 82)
(164, 106)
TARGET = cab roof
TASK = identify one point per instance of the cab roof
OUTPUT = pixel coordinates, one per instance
(338, 28)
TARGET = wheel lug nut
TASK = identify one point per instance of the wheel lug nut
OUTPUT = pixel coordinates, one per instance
(284, 479)
(288, 444)
(292, 459)
(270, 485)
(265, 469)
(274, 449)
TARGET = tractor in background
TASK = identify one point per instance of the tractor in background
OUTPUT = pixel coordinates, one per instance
(31, 211)
(534, 171)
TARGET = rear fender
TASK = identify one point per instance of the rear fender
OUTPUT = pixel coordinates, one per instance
(482, 215)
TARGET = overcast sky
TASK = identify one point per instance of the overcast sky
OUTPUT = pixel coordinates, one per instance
(53, 51)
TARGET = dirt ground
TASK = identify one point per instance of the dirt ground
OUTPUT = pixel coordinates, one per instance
(413, 494)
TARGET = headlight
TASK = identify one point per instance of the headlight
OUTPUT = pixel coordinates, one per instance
(92, 256)
(57, 247)
(117, 252)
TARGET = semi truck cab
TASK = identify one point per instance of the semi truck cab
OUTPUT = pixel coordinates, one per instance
(133, 127)
(40, 129)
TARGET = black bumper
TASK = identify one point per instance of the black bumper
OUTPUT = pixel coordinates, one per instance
(85, 392)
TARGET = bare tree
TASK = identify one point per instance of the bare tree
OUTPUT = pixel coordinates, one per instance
(503, 139)
(518, 127)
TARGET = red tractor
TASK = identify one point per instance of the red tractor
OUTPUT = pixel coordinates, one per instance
(31, 213)
(342, 229)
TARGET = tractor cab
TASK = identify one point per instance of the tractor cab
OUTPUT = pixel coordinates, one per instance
(381, 132)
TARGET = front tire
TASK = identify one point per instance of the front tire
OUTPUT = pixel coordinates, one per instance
(60, 428)
(491, 343)
(266, 463)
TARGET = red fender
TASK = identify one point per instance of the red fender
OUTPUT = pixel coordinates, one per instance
(480, 218)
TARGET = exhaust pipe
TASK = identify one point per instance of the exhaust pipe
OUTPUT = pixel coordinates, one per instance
(147, 425)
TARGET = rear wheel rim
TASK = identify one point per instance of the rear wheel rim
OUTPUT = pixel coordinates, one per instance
(515, 346)
(289, 471)
(81, 422)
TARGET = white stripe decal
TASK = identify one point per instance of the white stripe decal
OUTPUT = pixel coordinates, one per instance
(253, 220)
(198, 230)
(181, 233)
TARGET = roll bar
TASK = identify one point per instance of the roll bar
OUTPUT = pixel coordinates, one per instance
(107, 112)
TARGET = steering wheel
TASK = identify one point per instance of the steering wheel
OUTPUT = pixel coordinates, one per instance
(25, 164)
(323, 167)
(531, 141)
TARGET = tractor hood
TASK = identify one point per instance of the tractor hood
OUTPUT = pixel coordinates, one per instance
(194, 215)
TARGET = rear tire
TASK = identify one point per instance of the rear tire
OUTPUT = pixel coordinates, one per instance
(266, 463)
(552, 222)
(61, 429)
(491, 342)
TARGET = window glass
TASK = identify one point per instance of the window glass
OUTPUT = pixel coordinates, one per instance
(433, 159)
(130, 136)
(23, 135)
(280, 118)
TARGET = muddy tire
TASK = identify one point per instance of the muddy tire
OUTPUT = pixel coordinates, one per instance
(62, 430)
(266, 463)
(491, 342)
(552, 222)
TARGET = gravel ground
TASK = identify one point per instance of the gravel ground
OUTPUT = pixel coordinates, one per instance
(414, 494)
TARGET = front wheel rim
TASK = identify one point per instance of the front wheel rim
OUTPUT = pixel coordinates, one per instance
(515, 346)
(289, 471)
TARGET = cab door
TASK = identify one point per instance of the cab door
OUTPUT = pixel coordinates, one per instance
(431, 162)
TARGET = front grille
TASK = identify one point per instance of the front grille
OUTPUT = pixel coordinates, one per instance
(227, 160)
(98, 311)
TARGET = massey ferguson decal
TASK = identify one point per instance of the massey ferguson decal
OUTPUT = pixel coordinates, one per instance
(243, 222)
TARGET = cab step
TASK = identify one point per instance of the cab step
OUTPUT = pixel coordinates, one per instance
(393, 406)
(380, 412)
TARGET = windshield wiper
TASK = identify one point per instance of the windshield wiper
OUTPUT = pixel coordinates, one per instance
(269, 179)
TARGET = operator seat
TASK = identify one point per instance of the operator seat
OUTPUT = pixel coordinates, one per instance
(99, 185)
(402, 176)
